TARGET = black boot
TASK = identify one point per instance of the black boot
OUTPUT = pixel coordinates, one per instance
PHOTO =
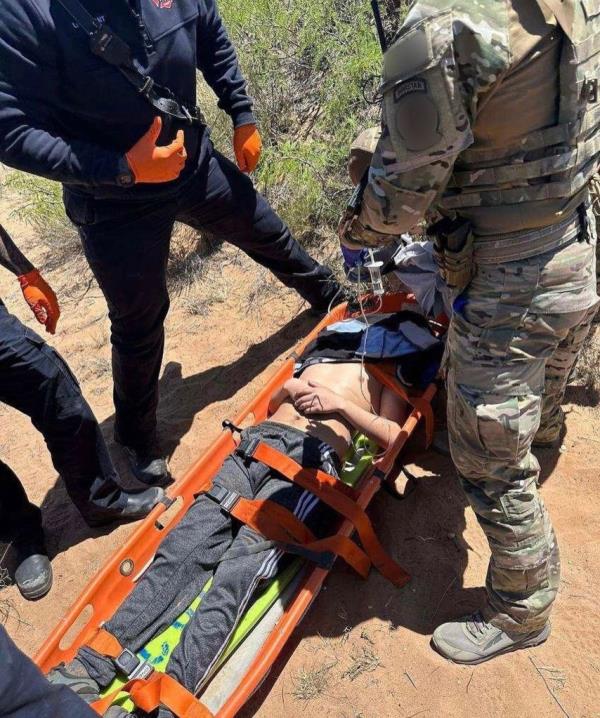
(131, 507)
(33, 573)
(149, 467)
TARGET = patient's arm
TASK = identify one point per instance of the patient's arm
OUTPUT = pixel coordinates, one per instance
(277, 399)
(289, 389)
(383, 430)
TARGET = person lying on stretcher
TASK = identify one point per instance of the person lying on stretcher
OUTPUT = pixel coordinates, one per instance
(313, 419)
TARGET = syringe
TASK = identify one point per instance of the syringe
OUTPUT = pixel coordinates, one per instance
(374, 268)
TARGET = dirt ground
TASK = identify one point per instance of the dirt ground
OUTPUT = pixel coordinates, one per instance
(363, 649)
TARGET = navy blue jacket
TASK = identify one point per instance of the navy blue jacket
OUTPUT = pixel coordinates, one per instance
(67, 115)
(25, 693)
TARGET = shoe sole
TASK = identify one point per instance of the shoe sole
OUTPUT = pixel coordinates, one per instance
(531, 643)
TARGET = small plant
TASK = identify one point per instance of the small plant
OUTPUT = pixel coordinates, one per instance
(7, 607)
(366, 661)
(309, 684)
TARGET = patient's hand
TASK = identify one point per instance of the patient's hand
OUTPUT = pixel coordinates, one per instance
(313, 398)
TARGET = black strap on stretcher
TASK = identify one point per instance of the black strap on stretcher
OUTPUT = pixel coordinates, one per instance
(108, 46)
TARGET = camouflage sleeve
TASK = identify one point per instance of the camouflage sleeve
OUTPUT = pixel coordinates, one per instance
(426, 125)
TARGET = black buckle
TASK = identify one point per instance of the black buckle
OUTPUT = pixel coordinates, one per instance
(147, 87)
(132, 667)
(247, 447)
(227, 424)
(224, 497)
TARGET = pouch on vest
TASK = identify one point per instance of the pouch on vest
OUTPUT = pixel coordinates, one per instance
(453, 243)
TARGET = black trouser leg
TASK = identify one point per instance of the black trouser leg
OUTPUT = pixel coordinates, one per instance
(127, 247)
(244, 566)
(203, 543)
(183, 564)
(35, 380)
(19, 518)
(223, 201)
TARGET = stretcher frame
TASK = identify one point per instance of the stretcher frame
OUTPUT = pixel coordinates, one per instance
(105, 593)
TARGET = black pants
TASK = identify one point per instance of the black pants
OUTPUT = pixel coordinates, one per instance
(35, 380)
(25, 693)
(127, 246)
(207, 541)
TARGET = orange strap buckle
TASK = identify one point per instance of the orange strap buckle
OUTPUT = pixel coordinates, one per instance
(149, 693)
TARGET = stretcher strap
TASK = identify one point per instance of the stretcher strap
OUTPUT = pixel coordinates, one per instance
(328, 491)
(106, 644)
(162, 690)
(278, 524)
(159, 689)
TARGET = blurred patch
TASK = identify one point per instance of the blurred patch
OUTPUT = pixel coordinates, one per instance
(416, 115)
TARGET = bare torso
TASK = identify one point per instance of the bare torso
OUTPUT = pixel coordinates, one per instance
(350, 381)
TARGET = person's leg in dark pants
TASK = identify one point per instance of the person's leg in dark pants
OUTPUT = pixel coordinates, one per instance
(183, 564)
(127, 247)
(18, 516)
(35, 380)
(245, 566)
(204, 543)
(222, 200)
(23, 555)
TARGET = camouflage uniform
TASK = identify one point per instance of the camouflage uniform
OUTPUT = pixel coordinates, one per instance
(490, 117)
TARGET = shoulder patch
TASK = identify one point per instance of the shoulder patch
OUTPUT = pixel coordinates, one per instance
(416, 115)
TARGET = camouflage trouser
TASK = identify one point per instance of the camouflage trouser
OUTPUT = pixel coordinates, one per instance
(512, 343)
(558, 370)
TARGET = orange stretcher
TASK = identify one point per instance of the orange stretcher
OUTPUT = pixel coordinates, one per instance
(106, 592)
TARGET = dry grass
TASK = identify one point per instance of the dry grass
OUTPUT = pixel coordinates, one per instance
(366, 661)
(310, 684)
(188, 258)
(7, 607)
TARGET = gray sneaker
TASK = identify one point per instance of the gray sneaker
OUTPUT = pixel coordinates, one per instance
(471, 639)
(75, 676)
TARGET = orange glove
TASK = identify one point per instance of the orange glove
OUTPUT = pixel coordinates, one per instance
(247, 146)
(41, 299)
(152, 164)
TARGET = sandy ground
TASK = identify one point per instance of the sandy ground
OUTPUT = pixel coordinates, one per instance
(363, 649)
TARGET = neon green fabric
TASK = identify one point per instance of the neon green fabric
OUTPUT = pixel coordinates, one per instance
(158, 651)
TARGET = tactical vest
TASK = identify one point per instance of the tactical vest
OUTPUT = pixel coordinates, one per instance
(568, 153)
